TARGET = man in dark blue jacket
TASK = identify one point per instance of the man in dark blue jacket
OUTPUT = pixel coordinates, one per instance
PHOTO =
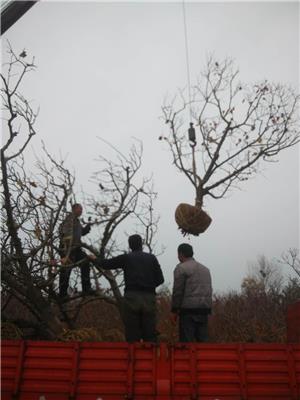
(142, 274)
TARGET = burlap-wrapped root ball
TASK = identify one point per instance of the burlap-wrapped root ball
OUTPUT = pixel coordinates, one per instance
(191, 219)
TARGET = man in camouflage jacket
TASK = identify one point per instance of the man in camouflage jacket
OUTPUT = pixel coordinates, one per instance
(71, 252)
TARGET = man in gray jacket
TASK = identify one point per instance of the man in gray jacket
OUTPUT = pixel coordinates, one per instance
(191, 297)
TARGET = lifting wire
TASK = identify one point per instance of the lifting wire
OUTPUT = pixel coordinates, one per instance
(187, 58)
(191, 131)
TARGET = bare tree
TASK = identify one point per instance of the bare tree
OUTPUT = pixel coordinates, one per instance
(123, 198)
(35, 203)
(28, 212)
(264, 275)
(237, 125)
(121, 195)
(291, 258)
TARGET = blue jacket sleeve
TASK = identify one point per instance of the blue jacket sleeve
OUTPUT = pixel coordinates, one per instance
(113, 263)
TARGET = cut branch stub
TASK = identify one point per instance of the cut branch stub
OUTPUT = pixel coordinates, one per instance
(191, 219)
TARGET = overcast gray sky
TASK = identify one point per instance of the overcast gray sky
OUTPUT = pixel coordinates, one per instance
(104, 70)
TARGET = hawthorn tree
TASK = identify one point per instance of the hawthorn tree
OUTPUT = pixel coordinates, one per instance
(237, 126)
(122, 195)
(35, 202)
(24, 241)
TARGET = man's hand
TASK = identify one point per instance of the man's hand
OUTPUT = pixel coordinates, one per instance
(92, 257)
(86, 229)
(65, 260)
(173, 318)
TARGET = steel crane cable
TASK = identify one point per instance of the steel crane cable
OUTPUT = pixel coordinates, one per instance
(187, 57)
(189, 91)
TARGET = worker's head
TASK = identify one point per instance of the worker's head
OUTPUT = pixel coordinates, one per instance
(185, 251)
(135, 242)
(77, 209)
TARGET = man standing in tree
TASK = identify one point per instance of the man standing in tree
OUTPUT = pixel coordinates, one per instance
(142, 274)
(191, 297)
(71, 252)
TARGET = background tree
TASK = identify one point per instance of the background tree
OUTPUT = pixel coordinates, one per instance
(258, 312)
(255, 313)
(237, 127)
(292, 260)
(35, 203)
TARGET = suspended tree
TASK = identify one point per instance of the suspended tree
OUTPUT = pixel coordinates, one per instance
(233, 127)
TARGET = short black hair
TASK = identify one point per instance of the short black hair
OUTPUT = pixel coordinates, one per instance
(135, 242)
(185, 249)
(75, 205)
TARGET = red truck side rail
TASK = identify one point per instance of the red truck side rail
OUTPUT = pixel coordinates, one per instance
(40, 370)
(293, 322)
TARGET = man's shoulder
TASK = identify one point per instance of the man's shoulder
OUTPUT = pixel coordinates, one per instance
(202, 267)
(192, 263)
(179, 267)
(69, 216)
(144, 255)
(66, 223)
(187, 263)
(151, 255)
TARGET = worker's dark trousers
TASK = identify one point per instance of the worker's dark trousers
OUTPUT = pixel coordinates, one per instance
(65, 272)
(139, 316)
(193, 327)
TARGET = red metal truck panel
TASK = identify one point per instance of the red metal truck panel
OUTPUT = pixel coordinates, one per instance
(9, 364)
(205, 371)
(293, 323)
(249, 371)
(115, 371)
